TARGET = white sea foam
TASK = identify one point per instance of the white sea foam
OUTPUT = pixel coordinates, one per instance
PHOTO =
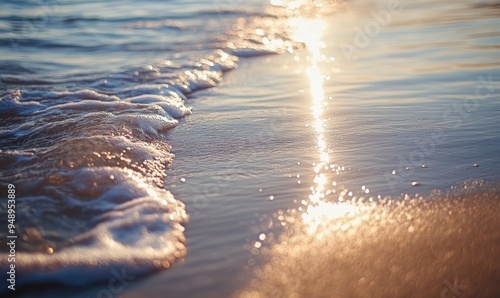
(89, 151)
(11, 104)
(139, 224)
(173, 106)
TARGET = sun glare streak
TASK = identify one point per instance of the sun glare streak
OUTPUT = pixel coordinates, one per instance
(319, 211)
(310, 32)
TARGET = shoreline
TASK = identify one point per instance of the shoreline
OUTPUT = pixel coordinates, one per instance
(304, 175)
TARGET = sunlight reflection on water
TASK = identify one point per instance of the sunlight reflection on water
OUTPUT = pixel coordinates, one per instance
(344, 245)
(319, 211)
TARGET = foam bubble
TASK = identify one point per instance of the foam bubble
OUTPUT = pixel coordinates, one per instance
(11, 105)
(140, 224)
(172, 105)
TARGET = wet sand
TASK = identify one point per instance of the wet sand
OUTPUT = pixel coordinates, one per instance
(439, 246)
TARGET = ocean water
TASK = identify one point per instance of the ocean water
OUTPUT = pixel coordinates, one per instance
(89, 90)
(311, 139)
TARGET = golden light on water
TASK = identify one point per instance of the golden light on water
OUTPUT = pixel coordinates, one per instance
(343, 245)
(319, 211)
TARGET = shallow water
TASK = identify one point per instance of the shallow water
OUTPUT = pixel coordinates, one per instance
(89, 91)
(435, 240)
(280, 140)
